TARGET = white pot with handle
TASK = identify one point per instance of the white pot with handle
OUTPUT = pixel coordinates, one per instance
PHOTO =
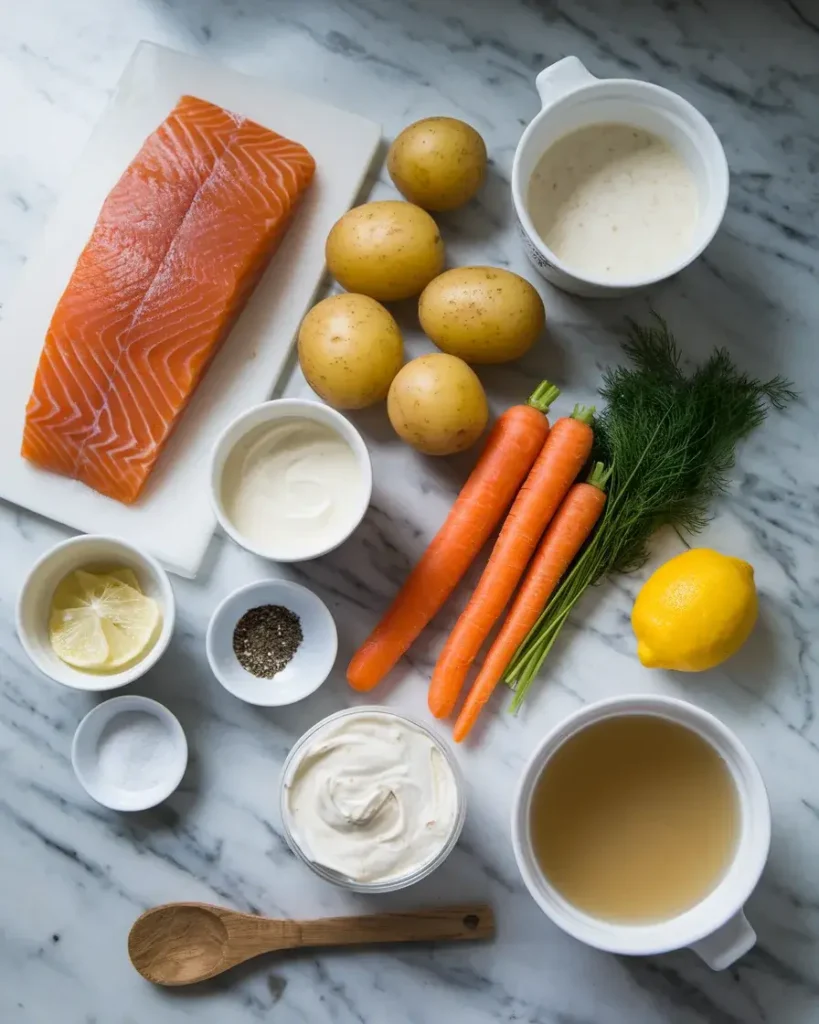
(572, 98)
(715, 928)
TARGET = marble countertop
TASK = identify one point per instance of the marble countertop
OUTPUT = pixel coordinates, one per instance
(73, 876)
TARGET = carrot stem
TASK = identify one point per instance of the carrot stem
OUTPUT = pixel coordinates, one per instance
(583, 413)
(599, 476)
(543, 396)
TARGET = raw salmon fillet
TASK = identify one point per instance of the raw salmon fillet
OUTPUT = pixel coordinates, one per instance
(178, 247)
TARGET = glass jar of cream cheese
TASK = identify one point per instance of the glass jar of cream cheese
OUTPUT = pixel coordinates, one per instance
(371, 800)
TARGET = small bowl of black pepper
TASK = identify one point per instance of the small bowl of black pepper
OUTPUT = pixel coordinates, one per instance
(272, 643)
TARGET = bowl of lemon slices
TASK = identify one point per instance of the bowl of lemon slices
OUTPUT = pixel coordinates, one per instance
(95, 613)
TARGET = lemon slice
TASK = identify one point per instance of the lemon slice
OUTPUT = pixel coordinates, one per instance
(77, 638)
(99, 621)
(126, 576)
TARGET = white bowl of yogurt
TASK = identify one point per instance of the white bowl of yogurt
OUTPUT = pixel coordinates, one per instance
(617, 183)
(371, 800)
(290, 479)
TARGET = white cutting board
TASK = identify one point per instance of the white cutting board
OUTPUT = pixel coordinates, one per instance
(173, 519)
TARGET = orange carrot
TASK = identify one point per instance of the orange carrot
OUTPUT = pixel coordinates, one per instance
(511, 448)
(566, 449)
(564, 537)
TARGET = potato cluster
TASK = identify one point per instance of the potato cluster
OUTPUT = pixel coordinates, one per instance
(350, 347)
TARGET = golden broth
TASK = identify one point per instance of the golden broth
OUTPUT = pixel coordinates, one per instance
(634, 819)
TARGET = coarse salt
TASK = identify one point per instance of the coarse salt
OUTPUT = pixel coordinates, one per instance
(135, 751)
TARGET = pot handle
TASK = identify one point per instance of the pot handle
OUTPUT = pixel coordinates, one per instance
(727, 944)
(560, 78)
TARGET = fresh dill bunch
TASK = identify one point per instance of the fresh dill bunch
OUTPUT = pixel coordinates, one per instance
(671, 440)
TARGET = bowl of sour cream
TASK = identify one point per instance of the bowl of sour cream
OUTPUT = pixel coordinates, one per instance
(371, 800)
(617, 183)
(290, 479)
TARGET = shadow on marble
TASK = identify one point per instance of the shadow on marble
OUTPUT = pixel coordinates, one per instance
(213, 555)
(512, 383)
(739, 995)
(784, 921)
(293, 720)
(374, 425)
(484, 220)
(363, 571)
(711, 303)
(720, 300)
(238, 978)
(173, 683)
(756, 667)
(683, 981)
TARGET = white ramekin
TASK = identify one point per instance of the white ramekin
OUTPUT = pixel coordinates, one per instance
(716, 928)
(85, 755)
(89, 552)
(393, 884)
(572, 98)
(311, 664)
(269, 412)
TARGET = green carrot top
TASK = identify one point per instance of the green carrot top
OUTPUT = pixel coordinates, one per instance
(584, 413)
(543, 396)
(599, 476)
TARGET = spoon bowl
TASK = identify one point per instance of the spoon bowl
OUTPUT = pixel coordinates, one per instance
(178, 944)
(181, 943)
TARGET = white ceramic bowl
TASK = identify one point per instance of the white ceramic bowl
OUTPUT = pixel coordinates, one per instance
(716, 927)
(392, 885)
(89, 552)
(310, 665)
(110, 791)
(573, 98)
(269, 412)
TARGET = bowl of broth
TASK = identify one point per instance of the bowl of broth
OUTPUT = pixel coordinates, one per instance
(642, 825)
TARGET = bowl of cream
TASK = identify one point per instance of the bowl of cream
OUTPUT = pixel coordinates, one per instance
(371, 800)
(617, 183)
(290, 479)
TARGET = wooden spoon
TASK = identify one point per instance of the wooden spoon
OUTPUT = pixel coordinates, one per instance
(180, 943)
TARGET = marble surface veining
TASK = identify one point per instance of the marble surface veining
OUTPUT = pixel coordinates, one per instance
(73, 876)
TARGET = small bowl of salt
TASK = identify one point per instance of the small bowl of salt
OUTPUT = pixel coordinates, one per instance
(129, 753)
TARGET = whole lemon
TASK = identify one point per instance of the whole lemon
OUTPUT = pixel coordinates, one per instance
(695, 611)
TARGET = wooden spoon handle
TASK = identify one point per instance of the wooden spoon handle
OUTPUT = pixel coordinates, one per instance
(181, 943)
(438, 924)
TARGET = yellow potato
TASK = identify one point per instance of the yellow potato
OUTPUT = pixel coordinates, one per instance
(388, 250)
(482, 314)
(437, 405)
(350, 349)
(438, 163)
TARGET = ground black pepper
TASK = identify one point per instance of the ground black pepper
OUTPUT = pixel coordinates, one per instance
(266, 638)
